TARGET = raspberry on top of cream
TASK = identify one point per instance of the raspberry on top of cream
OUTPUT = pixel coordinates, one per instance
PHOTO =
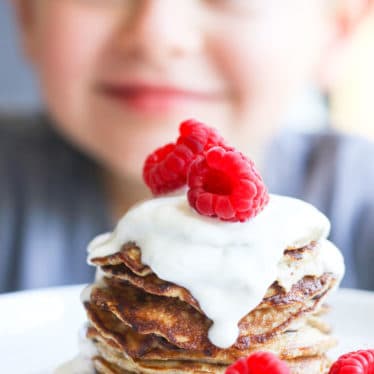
(225, 243)
(222, 182)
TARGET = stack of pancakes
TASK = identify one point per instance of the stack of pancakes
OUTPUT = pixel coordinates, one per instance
(140, 323)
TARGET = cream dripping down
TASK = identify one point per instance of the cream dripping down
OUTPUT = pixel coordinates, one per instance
(226, 266)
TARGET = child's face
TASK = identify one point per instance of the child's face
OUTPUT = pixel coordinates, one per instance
(119, 75)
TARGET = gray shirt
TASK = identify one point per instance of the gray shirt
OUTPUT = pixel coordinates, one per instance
(52, 202)
(51, 206)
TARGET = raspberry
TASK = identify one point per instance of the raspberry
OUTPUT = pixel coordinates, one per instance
(223, 183)
(198, 137)
(259, 363)
(165, 170)
(360, 362)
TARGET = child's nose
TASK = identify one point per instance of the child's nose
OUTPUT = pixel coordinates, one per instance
(162, 28)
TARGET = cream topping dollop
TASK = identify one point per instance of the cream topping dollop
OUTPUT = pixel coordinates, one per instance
(226, 266)
(81, 364)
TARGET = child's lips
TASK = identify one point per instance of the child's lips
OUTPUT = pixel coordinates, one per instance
(153, 99)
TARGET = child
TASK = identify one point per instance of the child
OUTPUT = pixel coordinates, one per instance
(118, 76)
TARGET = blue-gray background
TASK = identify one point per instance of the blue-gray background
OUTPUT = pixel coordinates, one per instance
(17, 86)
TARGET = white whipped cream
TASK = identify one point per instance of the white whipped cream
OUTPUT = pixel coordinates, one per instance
(78, 365)
(226, 266)
(82, 364)
(325, 258)
(85, 295)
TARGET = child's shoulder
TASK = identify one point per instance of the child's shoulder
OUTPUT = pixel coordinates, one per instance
(349, 157)
(322, 166)
(328, 141)
(31, 138)
(23, 138)
(341, 152)
(27, 130)
(33, 154)
(342, 142)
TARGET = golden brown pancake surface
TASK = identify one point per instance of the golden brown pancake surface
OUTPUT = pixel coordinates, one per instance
(143, 324)
(183, 326)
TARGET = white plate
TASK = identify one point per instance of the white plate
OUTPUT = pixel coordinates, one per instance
(38, 329)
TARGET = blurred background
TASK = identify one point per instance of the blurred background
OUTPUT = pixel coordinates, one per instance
(351, 101)
(18, 89)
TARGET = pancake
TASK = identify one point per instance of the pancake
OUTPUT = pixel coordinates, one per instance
(126, 265)
(130, 256)
(116, 357)
(184, 327)
(150, 283)
(132, 271)
(172, 319)
(111, 361)
(301, 340)
(104, 367)
(309, 365)
(140, 323)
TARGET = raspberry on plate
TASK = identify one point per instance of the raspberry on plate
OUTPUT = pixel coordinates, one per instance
(359, 362)
(165, 170)
(223, 183)
(259, 363)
